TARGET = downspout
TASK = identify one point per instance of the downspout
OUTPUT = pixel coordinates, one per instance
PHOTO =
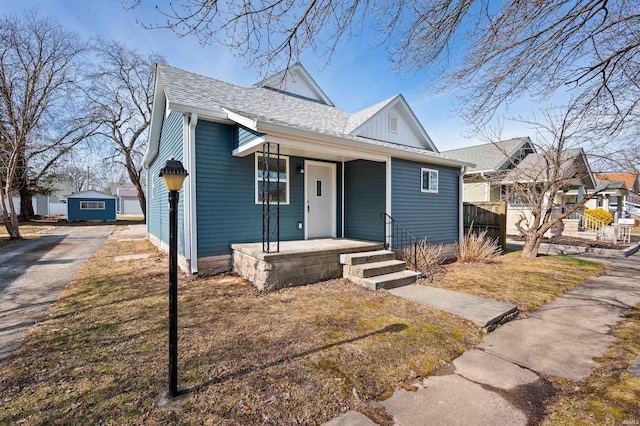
(460, 204)
(192, 188)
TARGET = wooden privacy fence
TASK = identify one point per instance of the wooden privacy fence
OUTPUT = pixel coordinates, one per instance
(491, 216)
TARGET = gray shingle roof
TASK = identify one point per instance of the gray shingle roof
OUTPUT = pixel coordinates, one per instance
(192, 90)
(534, 168)
(489, 156)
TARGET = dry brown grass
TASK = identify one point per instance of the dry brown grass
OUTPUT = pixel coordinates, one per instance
(610, 395)
(288, 357)
(27, 231)
(526, 283)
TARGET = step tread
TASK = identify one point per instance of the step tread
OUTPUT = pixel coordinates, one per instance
(362, 257)
(394, 279)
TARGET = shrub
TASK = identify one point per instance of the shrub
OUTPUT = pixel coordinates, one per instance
(429, 258)
(600, 214)
(477, 248)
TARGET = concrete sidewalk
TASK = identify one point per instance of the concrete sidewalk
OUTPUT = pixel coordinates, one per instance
(480, 310)
(500, 382)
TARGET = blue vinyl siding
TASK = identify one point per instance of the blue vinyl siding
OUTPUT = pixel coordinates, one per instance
(225, 194)
(242, 136)
(158, 214)
(74, 212)
(434, 215)
(365, 199)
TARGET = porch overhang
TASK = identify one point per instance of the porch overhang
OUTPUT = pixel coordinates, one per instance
(307, 143)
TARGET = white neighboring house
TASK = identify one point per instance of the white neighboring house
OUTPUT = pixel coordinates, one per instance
(54, 204)
(128, 203)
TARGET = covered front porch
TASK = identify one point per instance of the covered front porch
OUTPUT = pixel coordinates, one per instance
(297, 262)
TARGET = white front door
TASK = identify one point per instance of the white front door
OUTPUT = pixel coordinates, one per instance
(320, 203)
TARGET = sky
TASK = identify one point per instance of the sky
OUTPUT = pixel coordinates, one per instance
(359, 74)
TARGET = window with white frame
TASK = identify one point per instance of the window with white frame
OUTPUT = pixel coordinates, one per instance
(279, 190)
(91, 205)
(429, 180)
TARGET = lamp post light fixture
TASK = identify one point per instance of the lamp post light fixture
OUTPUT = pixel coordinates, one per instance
(173, 174)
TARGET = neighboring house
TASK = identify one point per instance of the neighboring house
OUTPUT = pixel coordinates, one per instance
(619, 193)
(501, 165)
(483, 182)
(53, 204)
(91, 206)
(128, 203)
(338, 172)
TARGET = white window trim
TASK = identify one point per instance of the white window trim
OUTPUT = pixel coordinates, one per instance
(258, 179)
(93, 208)
(422, 172)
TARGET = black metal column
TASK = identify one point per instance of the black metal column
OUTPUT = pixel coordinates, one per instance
(173, 292)
(270, 206)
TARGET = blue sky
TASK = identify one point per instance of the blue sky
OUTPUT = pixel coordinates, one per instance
(358, 76)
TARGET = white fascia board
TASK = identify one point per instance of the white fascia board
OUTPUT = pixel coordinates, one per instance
(242, 120)
(203, 113)
(525, 141)
(355, 148)
(248, 148)
(157, 115)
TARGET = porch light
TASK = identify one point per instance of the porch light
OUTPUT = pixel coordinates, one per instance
(173, 175)
(300, 170)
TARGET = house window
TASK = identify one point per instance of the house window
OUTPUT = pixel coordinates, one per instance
(279, 191)
(393, 123)
(429, 180)
(91, 205)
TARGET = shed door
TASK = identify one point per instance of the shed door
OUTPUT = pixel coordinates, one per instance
(320, 203)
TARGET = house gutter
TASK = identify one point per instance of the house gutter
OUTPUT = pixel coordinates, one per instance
(460, 204)
(190, 214)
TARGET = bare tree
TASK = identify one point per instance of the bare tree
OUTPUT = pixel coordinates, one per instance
(39, 104)
(560, 164)
(122, 94)
(497, 52)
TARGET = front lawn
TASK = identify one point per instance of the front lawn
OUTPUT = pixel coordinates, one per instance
(294, 356)
(526, 283)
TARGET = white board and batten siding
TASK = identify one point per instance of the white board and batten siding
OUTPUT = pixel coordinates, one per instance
(378, 127)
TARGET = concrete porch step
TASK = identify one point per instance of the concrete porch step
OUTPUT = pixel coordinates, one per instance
(389, 281)
(367, 270)
(367, 257)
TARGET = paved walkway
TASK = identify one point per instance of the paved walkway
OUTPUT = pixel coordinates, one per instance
(480, 310)
(34, 272)
(500, 381)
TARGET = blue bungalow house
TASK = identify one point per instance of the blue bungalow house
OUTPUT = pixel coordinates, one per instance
(279, 164)
(91, 206)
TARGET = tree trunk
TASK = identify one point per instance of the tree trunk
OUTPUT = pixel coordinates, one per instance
(9, 217)
(531, 245)
(26, 204)
(134, 176)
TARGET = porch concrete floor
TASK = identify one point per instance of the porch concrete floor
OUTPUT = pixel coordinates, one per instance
(309, 247)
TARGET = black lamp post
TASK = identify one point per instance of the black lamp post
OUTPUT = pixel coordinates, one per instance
(173, 175)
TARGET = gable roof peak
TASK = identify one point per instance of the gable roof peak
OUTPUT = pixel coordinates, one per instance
(286, 81)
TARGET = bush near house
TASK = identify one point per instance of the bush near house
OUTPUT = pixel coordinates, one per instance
(600, 214)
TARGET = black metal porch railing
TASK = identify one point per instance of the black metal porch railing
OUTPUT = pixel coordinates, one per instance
(398, 239)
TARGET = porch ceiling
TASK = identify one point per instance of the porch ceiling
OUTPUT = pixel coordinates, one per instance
(308, 149)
